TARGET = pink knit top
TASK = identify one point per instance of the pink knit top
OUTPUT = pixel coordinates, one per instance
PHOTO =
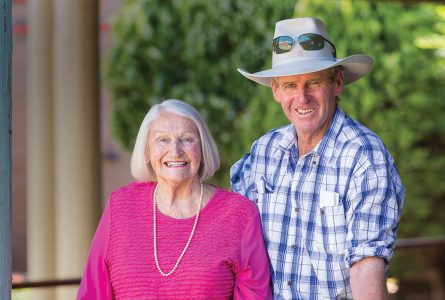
(226, 258)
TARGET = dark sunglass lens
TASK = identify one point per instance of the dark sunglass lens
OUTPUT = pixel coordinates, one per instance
(311, 41)
(282, 44)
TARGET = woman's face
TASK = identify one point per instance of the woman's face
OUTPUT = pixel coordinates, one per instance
(174, 149)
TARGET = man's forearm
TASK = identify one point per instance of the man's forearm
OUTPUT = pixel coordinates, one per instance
(368, 279)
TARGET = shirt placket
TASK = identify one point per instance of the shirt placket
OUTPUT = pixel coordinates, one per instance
(306, 166)
(294, 239)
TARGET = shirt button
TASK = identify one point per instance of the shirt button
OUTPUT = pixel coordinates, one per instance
(256, 200)
(289, 282)
(321, 212)
(295, 209)
(294, 246)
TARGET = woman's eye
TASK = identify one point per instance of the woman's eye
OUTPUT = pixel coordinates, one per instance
(163, 140)
(187, 140)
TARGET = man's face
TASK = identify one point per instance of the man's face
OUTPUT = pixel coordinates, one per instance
(308, 100)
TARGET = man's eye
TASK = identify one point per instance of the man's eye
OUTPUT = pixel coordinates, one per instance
(313, 83)
(290, 86)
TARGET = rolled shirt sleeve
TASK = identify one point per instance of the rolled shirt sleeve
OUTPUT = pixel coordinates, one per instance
(375, 197)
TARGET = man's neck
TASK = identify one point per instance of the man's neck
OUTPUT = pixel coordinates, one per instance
(305, 147)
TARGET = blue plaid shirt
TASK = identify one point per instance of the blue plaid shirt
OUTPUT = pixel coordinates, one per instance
(323, 211)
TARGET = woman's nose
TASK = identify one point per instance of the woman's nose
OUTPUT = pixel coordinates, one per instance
(175, 147)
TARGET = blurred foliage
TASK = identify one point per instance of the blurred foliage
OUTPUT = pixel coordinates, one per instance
(190, 50)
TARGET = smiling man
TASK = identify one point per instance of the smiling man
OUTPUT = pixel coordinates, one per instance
(328, 191)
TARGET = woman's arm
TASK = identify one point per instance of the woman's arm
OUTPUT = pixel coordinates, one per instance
(252, 280)
(95, 282)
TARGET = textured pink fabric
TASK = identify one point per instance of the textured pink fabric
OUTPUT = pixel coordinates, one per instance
(226, 258)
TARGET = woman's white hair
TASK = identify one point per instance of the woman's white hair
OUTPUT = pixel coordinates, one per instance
(140, 167)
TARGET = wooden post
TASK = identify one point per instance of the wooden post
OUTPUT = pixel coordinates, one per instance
(5, 149)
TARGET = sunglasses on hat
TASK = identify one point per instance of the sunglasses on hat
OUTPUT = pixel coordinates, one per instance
(307, 41)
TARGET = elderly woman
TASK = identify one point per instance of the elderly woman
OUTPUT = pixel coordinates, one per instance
(169, 235)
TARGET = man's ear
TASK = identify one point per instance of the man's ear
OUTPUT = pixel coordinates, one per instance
(275, 86)
(339, 83)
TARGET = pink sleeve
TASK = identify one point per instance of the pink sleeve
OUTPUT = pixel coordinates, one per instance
(253, 277)
(95, 282)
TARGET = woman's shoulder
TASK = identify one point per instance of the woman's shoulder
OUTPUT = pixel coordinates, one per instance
(235, 202)
(132, 189)
(231, 214)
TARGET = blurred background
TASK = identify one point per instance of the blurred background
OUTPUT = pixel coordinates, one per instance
(85, 73)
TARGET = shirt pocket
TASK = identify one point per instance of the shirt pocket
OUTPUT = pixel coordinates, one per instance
(261, 191)
(330, 224)
(269, 206)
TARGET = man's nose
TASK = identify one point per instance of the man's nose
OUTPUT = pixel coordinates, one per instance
(301, 94)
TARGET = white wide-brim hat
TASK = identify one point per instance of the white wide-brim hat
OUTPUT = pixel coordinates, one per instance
(299, 61)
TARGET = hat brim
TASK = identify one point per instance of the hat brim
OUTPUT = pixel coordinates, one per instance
(355, 67)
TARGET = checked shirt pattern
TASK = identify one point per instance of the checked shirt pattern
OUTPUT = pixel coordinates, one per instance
(323, 211)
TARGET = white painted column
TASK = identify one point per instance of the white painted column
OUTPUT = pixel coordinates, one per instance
(77, 155)
(40, 154)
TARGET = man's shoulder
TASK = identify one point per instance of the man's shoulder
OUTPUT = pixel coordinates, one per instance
(264, 151)
(355, 132)
(273, 137)
(355, 135)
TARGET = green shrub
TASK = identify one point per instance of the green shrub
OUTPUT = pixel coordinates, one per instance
(190, 50)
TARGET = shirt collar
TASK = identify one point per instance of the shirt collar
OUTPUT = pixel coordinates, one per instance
(325, 148)
(289, 137)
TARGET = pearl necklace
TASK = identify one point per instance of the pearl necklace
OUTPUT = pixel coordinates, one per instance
(188, 242)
